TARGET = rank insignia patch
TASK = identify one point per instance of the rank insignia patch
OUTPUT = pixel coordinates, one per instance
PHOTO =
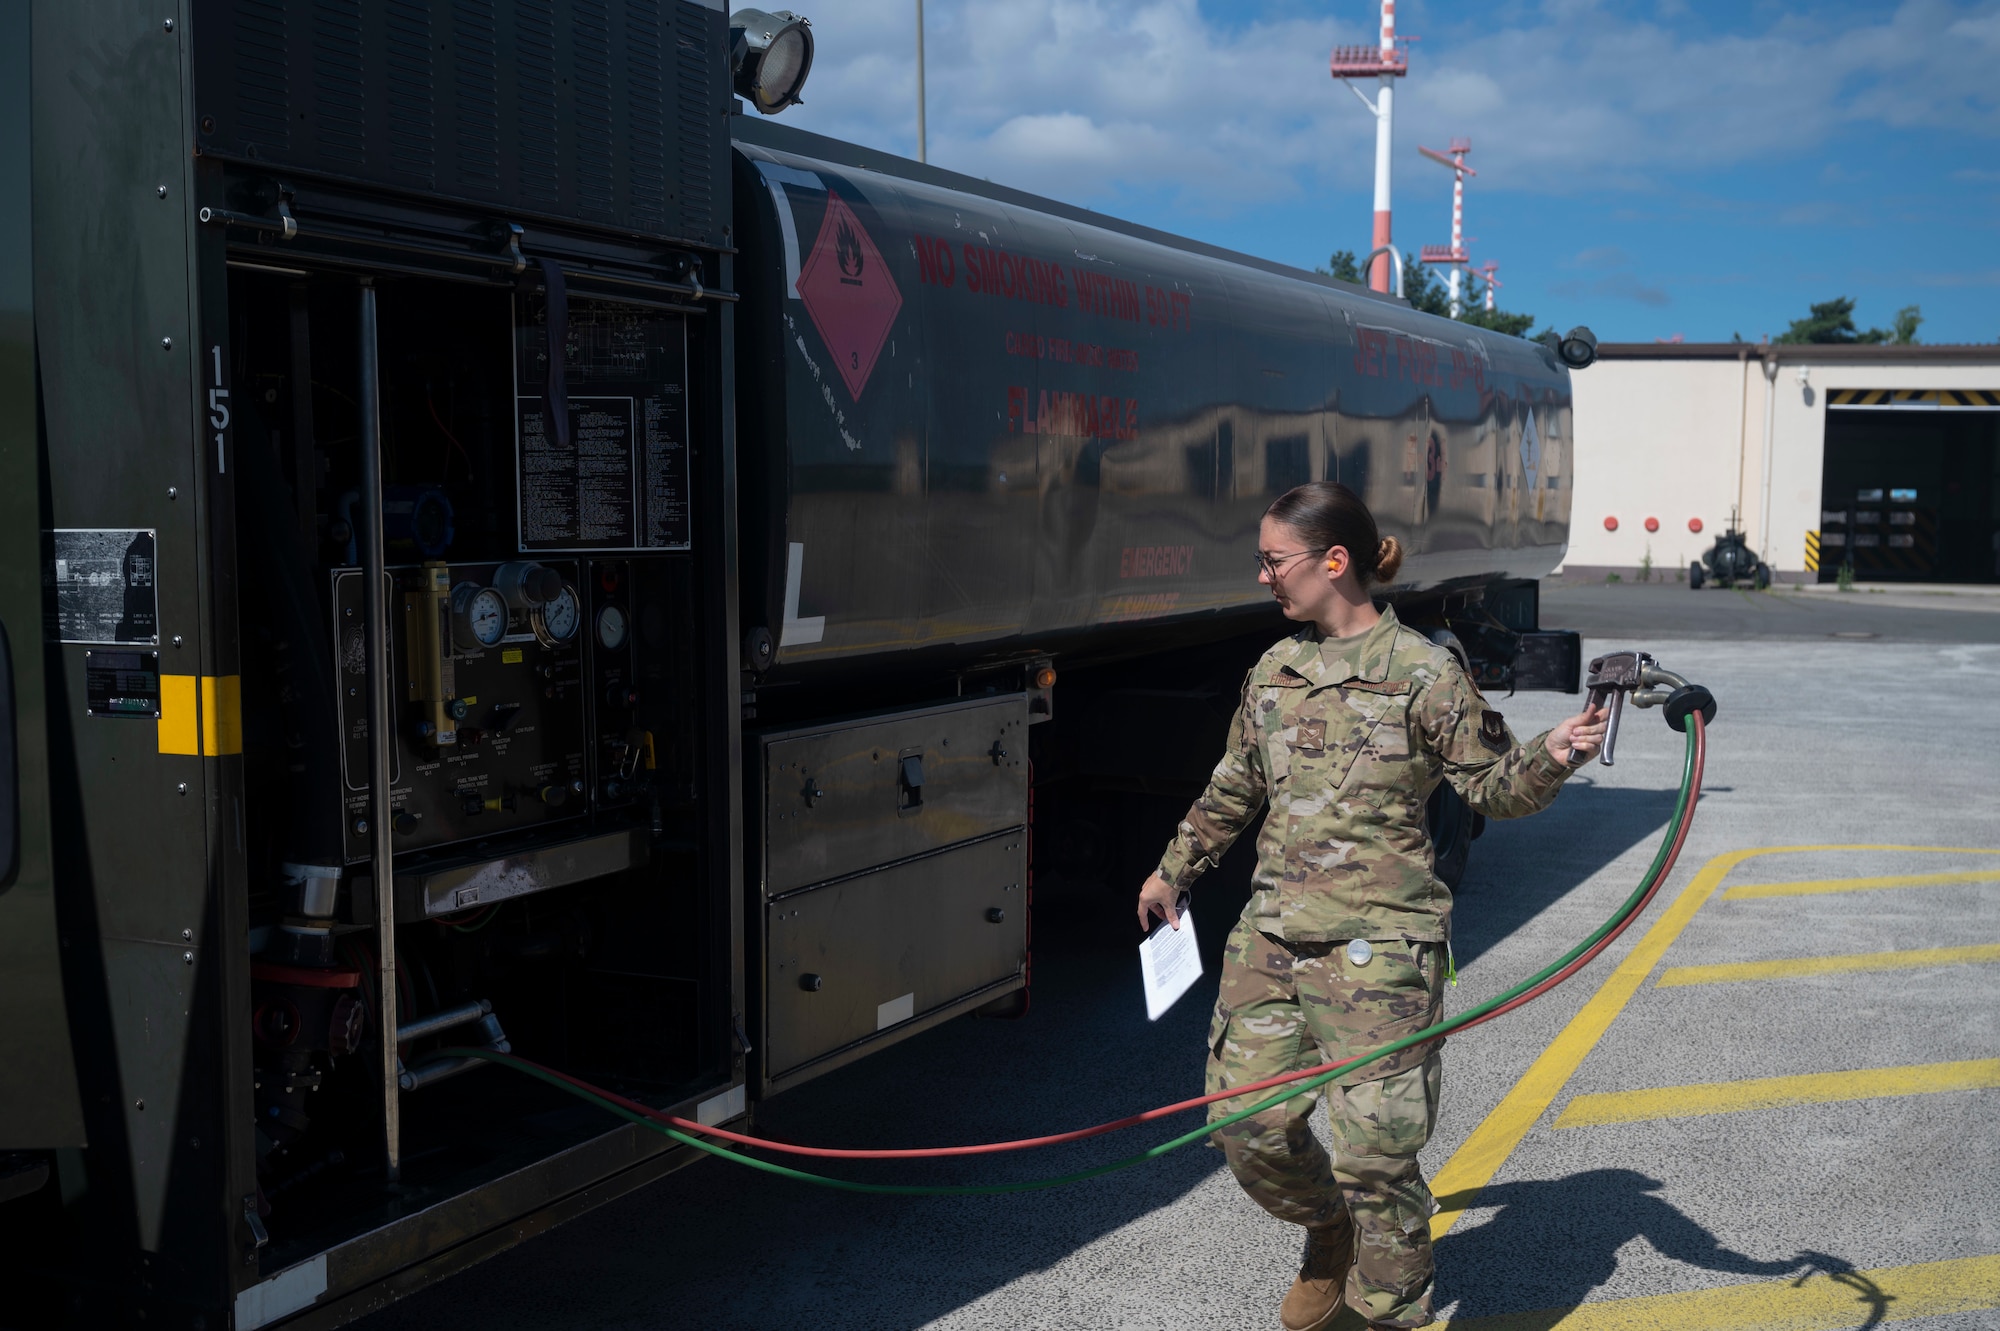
(1493, 731)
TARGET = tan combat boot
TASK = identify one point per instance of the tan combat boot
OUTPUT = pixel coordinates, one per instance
(1315, 1297)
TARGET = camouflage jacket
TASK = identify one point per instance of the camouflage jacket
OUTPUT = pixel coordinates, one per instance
(1347, 738)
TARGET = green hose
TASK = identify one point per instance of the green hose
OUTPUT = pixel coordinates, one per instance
(1681, 811)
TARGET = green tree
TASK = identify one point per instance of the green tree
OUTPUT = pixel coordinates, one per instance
(1499, 320)
(1427, 292)
(1832, 321)
(1342, 266)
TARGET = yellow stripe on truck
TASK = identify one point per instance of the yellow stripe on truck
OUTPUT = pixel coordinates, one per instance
(201, 716)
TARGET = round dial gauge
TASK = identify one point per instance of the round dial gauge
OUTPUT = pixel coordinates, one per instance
(611, 628)
(557, 618)
(479, 616)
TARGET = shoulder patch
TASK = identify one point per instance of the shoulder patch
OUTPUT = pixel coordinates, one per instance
(1493, 730)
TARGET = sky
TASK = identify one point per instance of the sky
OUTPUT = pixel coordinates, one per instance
(1650, 168)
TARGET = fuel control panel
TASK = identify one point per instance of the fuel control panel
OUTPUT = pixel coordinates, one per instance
(490, 697)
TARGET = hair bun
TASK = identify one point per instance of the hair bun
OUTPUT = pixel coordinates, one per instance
(1388, 559)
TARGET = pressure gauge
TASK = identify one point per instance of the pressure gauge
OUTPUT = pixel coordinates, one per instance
(611, 628)
(555, 620)
(478, 616)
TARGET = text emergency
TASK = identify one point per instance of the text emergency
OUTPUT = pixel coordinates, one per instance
(1155, 561)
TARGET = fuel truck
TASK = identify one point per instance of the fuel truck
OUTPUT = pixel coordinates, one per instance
(503, 547)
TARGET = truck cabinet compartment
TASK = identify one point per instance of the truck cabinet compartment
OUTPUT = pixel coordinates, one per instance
(849, 796)
(869, 959)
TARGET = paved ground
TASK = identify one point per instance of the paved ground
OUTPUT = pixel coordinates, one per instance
(1902, 614)
(1817, 1200)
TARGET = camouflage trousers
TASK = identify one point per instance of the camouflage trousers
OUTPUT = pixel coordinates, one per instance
(1286, 1006)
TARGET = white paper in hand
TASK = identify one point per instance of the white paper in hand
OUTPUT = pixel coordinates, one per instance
(1170, 963)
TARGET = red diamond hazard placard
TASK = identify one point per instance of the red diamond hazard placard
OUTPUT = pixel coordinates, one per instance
(849, 293)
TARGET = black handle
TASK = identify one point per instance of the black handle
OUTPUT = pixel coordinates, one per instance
(555, 388)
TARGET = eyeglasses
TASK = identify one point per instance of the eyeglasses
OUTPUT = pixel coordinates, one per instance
(1275, 564)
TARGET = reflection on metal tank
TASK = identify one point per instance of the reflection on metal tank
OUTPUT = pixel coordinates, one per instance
(975, 419)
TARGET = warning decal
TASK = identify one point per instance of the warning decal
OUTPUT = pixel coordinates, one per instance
(848, 292)
(1531, 448)
(103, 582)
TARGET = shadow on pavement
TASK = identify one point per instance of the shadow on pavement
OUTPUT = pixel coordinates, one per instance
(1521, 867)
(1555, 1241)
(1518, 868)
(717, 1246)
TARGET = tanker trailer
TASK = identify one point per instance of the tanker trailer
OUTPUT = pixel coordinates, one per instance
(984, 438)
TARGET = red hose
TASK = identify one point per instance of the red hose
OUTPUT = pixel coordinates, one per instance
(1165, 1111)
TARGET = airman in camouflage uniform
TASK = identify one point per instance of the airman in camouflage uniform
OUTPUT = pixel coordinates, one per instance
(1346, 739)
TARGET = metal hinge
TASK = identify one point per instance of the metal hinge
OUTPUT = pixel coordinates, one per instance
(260, 1238)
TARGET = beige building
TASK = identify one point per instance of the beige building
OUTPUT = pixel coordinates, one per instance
(1886, 456)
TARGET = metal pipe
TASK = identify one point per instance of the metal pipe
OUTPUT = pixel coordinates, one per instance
(443, 1021)
(437, 1069)
(429, 1074)
(1770, 420)
(1742, 422)
(1395, 258)
(305, 468)
(286, 226)
(921, 157)
(1654, 674)
(381, 736)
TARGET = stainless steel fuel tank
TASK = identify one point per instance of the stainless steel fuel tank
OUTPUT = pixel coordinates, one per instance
(971, 419)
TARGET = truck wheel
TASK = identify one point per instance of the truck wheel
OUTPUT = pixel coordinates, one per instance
(1452, 826)
(1762, 577)
(1695, 578)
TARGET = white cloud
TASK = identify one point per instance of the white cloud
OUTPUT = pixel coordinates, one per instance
(1103, 100)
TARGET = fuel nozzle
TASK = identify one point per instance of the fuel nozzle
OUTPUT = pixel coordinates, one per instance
(1617, 674)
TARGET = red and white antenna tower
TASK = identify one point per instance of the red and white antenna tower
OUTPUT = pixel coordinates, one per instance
(1488, 269)
(1455, 257)
(1386, 63)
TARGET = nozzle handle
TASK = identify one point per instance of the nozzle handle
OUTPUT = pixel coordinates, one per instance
(1616, 697)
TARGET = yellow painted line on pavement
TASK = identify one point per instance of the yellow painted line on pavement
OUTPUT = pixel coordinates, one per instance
(1815, 886)
(1820, 1303)
(1473, 1165)
(1812, 1088)
(1911, 959)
